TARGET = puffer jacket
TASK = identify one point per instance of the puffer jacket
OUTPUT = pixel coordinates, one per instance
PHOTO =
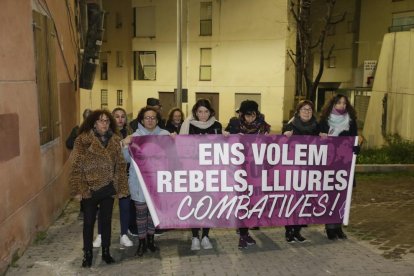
(133, 182)
(95, 166)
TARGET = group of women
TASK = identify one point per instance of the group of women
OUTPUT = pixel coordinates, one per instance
(100, 165)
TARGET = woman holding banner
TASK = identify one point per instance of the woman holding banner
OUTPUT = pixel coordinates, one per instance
(201, 121)
(249, 121)
(338, 118)
(148, 119)
(303, 123)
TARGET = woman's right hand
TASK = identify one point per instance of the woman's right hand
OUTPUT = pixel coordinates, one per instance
(288, 133)
(225, 133)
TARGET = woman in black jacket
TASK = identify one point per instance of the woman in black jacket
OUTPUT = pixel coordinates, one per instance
(303, 123)
(338, 118)
(249, 121)
(201, 121)
(175, 120)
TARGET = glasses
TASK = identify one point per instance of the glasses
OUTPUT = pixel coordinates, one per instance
(149, 118)
(103, 121)
(309, 110)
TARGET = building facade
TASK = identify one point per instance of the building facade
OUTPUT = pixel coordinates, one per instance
(39, 100)
(231, 51)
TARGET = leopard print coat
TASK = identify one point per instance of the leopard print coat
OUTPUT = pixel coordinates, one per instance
(94, 166)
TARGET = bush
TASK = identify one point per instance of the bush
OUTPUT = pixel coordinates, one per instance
(396, 151)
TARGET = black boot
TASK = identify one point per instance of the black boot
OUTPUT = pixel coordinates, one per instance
(87, 258)
(331, 233)
(142, 248)
(289, 234)
(296, 234)
(151, 245)
(106, 256)
(340, 234)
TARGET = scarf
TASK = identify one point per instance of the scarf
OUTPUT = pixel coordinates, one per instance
(142, 131)
(185, 127)
(304, 128)
(338, 123)
(258, 126)
(104, 139)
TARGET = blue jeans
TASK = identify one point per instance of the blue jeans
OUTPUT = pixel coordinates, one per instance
(124, 207)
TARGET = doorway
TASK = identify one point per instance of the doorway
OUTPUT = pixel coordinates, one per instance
(167, 100)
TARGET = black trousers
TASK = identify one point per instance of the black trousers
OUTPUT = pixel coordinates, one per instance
(196, 231)
(90, 207)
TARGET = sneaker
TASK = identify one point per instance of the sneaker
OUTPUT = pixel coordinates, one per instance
(205, 243)
(195, 244)
(249, 240)
(132, 234)
(298, 237)
(125, 241)
(97, 242)
(242, 243)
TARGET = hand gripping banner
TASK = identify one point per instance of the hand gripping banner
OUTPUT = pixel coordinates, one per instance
(245, 180)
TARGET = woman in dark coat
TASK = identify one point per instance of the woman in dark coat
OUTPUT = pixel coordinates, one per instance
(303, 123)
(338, 118)
(201, 121)
(175, 120)
(249, 121)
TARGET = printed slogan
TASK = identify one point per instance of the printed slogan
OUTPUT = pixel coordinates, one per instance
(245, 180)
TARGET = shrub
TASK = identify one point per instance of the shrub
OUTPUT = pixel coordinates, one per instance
(396, 151)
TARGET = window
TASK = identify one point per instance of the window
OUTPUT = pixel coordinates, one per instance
(144, 18)
(46, 78)
(205, 64)
(119, 99)
(104, 99)
(145, 66)
(119, 59)
(118, 20)
(206, 28)
(104, 70)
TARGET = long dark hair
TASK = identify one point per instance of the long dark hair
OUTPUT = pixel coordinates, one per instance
(171, 114)
(327, 108)
(204, 103)
(89, 122)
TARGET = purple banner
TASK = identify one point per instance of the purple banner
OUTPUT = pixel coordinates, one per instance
(245, 180)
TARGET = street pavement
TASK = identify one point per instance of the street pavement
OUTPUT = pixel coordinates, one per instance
(59, 252)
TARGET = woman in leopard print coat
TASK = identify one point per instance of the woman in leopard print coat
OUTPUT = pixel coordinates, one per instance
(98, 176)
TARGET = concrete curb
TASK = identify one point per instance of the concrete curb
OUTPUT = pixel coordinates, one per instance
(366, 168)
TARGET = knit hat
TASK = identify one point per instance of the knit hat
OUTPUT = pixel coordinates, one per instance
(248, 107)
